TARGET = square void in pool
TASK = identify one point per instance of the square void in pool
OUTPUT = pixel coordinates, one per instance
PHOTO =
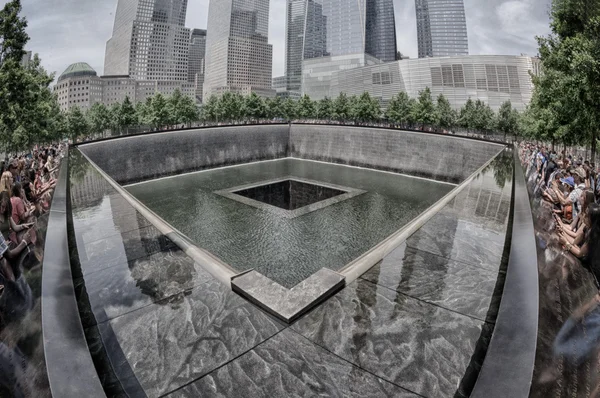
(289, 194)
(289, 218)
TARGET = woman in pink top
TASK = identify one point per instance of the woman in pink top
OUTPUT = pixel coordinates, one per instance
(21, 213)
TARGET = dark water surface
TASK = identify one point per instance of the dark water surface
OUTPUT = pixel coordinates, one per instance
(288, 250)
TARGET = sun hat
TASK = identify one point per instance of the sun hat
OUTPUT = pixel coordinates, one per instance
(569, 181)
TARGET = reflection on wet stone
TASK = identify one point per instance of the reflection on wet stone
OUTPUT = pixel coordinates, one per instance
(421, 347)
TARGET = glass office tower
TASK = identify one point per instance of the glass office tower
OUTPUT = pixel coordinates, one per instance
(441, 28)
(334, 28)
(149, 40)
(238, 55)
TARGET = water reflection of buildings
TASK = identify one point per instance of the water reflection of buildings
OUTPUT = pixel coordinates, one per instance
(484, 203)
(89, 190)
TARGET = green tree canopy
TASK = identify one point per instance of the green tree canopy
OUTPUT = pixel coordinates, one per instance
(127, 116)
(306, 108)
(445, 115)
(77, 124)
(28, 109)
(99, 118)
(341, 108)
(568, 90)
(13, 37)
(365, 108)
(325, 109)
(290, 109)
(159, 113)
(274, 107)
(424, 110)
(255, 107)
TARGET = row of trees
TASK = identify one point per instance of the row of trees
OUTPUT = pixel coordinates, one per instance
(157, 111)
(401, 111)
(566, 103)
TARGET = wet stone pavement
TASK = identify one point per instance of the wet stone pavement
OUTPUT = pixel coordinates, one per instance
(414, 325)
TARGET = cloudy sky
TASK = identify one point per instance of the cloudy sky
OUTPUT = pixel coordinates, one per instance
(68, 31)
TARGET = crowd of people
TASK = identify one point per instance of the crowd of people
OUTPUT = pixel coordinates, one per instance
(571, 185)
(26, 186)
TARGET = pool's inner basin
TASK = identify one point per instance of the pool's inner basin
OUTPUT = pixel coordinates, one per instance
(288, 218)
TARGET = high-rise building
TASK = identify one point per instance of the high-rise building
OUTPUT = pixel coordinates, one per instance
(238, 55)
(337, 28)
(149, 40)
(196, 60)
(441, 28)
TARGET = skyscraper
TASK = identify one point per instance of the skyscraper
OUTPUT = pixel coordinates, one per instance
(441, 28)
(238, 55)
(196, 58)
(149, 40)
(333, 28)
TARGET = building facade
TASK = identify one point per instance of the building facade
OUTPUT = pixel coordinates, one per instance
(441, 28)
(319, 75)
(149, 40)
(79, 85)
(490, 78)
(331, 29)
(238, 55)
(197, 53)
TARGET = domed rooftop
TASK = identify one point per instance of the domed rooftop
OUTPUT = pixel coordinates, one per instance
(78, 69)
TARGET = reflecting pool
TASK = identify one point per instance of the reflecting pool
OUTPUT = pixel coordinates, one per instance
(288, 218)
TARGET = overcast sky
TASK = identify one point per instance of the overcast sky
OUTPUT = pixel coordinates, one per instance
(68, 31)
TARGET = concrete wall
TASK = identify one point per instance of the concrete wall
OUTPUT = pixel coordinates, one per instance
(144, 157)
(444, 158)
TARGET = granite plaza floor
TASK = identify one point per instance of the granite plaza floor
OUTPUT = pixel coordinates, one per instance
(414, 325)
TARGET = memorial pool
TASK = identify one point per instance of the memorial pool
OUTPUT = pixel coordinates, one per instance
(288, 218)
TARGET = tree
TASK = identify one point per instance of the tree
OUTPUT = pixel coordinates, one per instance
(366, 108)
(341, 108)
(127, 116)
(13, 37)
(399, 110)
(274, 107)
(424, 111)
(77, 124)
(306, 108)
(324, 109)
(508, 119)
(188, 110)
(174, 106)
(290, 109)
(467, 116)
(159, 113)
(445, 115)
(568, 90)
(115, 111)
(28, 109)
(210, 110)
(99, 118)
(141, 113)
(255, 107)
(484, 119)
(232, 107)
